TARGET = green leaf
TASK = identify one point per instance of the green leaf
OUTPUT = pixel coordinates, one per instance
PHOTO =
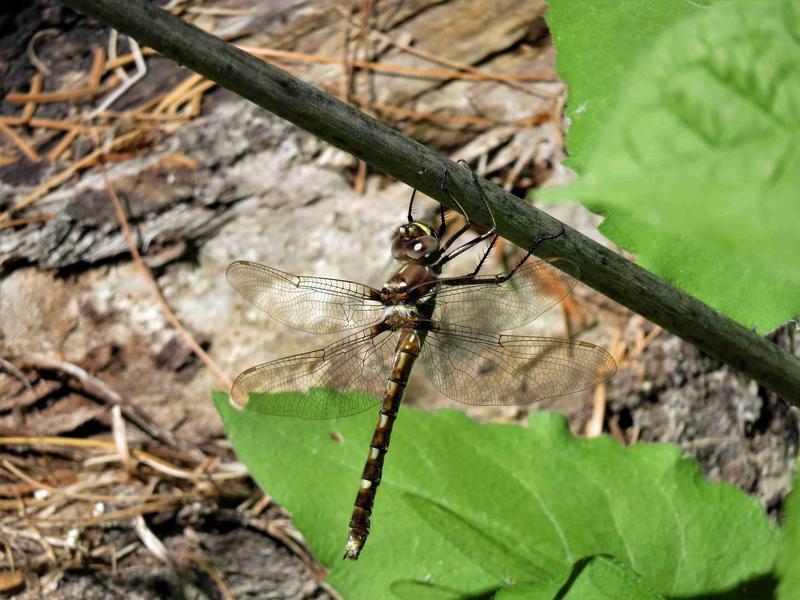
(421, 590)
(596, 43)
(697, 166)
(788, 564)
(592, 578)
(466, 508)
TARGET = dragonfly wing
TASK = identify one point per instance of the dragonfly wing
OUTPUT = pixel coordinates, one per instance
(485, 305)
(473, 367)
(344, 378)
(313, 304)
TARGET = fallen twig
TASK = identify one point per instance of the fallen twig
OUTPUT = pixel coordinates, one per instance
(61, 96)
(127, 83)
(30, 49)
(46, 123)
(421, 72)
(176, 93)
(98, 67)
(211, 572)
(63, 145)
(19, 142)
(116, 498)
(86, 161)
(399, 113)
(507, 79)
(594, 426)
(30, 107)
(102, 391)
(19, 417)
(302, 57)
(156, 291)
(234, 470)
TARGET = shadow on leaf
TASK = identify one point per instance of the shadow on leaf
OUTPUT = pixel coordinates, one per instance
(760, 588)
(491, 554)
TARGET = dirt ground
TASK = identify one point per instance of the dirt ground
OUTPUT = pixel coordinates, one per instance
(205, 178)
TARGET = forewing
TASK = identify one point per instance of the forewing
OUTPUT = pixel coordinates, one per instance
(313, 304)
(534, 288)
(473, 367)
(344, 378)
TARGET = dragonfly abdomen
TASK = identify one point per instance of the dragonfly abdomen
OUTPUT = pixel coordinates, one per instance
(408, 348)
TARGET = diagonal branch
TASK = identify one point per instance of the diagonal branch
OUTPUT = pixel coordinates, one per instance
(388, 150)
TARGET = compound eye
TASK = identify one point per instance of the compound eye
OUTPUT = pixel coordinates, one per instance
(421, 246)
(399, 248)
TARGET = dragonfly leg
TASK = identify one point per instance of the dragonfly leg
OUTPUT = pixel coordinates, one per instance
(473, 242)
(484, 257)
(442, 222)
(473, 279)
(411, 206)
(463, 229)
(466, 246)
(475, 181)
(537, 241)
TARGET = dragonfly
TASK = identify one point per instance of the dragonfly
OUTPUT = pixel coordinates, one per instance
(450, 324)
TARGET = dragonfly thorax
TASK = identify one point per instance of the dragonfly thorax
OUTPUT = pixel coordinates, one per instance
(401, 316)
(409, 284)
(415, 242)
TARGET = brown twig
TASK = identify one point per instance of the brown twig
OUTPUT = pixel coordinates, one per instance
(178, 91)
(435, 58)
(396, 69)
(211, 572)
(30, 49)
(189, 96)
(45, 123)
(61, 177)
(120, 436)
(30, 107)
(114, 515)
(126, 59)
(398, 112)
(346, 92)
(98, 67)
(594, 426)
(196, 106)
(19, 142)
(115, 498)
(144, 117)
(463, 72)
(63, 145)
(31, 396)
(19, 417)
(366, 7)
(361, 178)
(60, 96)
(347, 63)
(16, 373)
(646, 340)
(102, 391)
(156, 291)
(151, 460)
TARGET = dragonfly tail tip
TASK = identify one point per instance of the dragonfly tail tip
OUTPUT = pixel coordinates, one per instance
(353, 547)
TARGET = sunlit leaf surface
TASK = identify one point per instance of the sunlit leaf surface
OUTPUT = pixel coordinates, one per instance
(693, 154)
(788, 565)
(466, 508)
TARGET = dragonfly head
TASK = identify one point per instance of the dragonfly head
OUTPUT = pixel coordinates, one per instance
(414, 242)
